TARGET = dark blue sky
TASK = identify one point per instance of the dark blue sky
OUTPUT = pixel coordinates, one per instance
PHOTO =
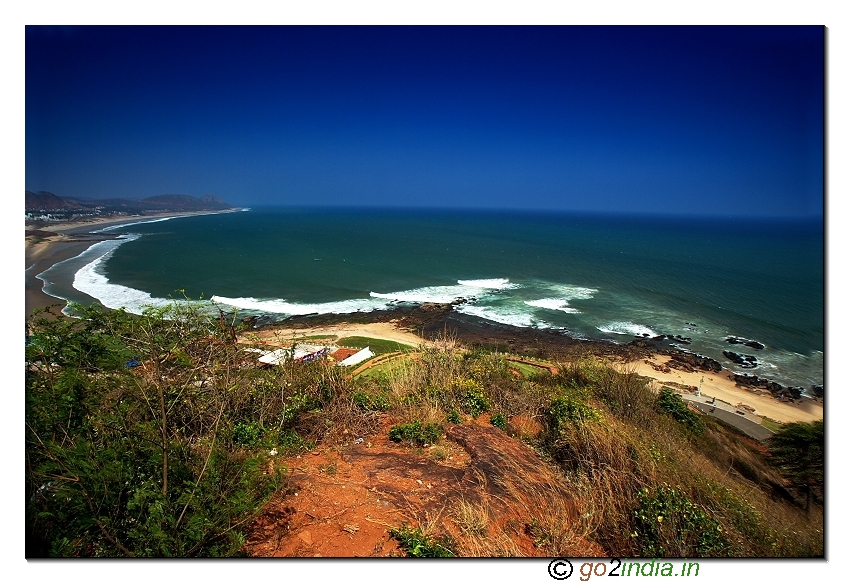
(696, 120)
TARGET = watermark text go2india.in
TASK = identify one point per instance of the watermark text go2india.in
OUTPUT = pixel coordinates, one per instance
(562, 569)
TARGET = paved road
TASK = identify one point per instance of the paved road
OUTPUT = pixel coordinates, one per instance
(729, 415)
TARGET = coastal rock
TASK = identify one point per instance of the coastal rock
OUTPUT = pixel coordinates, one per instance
(695, 361)
(741, 340)
(790, 393)
(435, 307)
(741, 360)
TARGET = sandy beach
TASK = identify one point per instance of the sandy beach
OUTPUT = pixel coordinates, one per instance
(721, 386)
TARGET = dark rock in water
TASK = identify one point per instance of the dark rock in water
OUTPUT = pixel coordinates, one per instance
(740, 360)
(741, 340)
(817, 390)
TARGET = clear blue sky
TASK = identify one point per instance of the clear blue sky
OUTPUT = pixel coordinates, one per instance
(687, 120)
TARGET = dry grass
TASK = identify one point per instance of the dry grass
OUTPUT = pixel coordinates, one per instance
(586, 504)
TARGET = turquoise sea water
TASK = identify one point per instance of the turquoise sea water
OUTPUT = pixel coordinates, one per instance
(597, 277)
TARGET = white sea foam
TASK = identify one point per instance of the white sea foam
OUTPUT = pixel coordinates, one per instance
(572, 292)
(116, 226)
(552, 303)
(91, 281)
(283, 307)
(626, 328)
(447, 293)
(436, 294)
(488, 283)
(505, 316)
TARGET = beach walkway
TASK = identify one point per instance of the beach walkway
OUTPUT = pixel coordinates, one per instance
(744, 421)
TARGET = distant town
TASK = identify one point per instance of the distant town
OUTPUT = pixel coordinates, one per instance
(46, 206)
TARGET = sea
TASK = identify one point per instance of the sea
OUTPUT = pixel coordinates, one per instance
(603, 277)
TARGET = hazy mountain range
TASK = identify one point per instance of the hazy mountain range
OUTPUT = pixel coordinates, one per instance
(49, 202)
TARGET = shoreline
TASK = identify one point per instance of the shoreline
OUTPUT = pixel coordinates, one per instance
(51, 243)
(422, 324)
(427, 325)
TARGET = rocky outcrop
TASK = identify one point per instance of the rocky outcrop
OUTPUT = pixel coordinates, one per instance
(777, 390)
(741, 360)
(690, 362)
(741, 340)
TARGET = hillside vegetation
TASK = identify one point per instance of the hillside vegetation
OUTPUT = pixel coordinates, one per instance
(159, 436)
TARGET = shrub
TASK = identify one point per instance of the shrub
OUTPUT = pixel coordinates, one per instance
(499, 421)
(669, 524)
(419, 545)
(567, 410)
(671, 403)
(415, 433)
(247, 434)
(472, 397)
(373, 402)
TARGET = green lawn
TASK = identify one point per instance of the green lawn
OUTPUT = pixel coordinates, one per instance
(377, 346)
(771, 424)
(526, 369)
(387, 367)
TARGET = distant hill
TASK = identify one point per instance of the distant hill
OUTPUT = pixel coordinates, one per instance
(38, 201)
(49, 202)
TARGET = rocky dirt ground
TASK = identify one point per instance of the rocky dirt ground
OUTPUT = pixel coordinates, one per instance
(490, 492)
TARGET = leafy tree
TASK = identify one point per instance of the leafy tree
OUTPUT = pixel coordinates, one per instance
(797, 449)
(130, 441)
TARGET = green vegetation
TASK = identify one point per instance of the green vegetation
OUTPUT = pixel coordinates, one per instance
(415, 433)
(376, 402)
(668, 524)
(498, 420)
(472, 397)
(419, 545)
(391, 365)
(797, 449)
(526, 370)
(671, 402)
(378, 346)
(157, 436)
(770, 424)
(147, 436)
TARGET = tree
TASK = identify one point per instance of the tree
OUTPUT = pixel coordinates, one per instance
(797, 449)
(129, 436)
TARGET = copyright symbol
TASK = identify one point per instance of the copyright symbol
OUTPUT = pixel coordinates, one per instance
(560, 569)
